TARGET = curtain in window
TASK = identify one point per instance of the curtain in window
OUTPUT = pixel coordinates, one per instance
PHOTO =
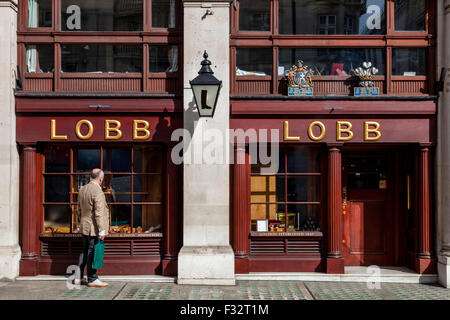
(172, 14)
(31, 57)
(173, 59)
(32, 13)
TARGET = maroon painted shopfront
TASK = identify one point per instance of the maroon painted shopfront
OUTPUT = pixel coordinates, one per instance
(353, 187)
(60, 140)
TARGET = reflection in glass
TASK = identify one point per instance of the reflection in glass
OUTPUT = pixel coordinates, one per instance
(120, 215)
(79, 181)
(148, 217)
(366, 173)
(163, 59)
(302, 159)
(147, 159)
(118, 188)
(254, 15)
(57, 188)
(163, 13)
(39, 58)
(409, 15)
(330, 61)
(86, 160)
(57, 158)
(364, 17)
(57, 218)
(409, 62)
(253, 61)
(111, 15)
(101, 58)
(39, 13)
(303, 217)
(117, 160)
(302, 188)
(147, 188)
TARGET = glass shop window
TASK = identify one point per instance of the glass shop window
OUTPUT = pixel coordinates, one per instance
(39, 13)
(332, 17)
(409, 62)
(132, 186)
(163, 59)
(39, 58)
(110, 15)
(290, 199)
(366, 173)
(163, 14)
(254, 15)
(100, 58)
(330, 61)
(410, 15)
(253, 62)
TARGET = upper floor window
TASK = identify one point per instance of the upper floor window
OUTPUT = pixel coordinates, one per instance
(39, 58)
(163, 13)
(39, 13)
(331, 17)
(410, 15)
(97, 58)
(254, 15)
(409, 62)
(111, 15)
(163, 59)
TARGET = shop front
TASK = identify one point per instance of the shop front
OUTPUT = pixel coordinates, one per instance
(353, 186)
(61, 141)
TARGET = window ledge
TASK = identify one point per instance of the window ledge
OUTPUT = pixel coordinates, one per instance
(110, 236)
(315, 234)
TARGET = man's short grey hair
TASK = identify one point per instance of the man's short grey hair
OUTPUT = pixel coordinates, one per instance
(97, 174)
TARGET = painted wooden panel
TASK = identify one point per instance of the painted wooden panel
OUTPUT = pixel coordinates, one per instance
(163, 85)
(411, 87)
(38, 85)
(96, 85)
(253, 86)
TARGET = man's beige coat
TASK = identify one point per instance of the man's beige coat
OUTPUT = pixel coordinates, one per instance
(93, 210)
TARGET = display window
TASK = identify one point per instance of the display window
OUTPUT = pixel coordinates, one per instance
(289, 200)
(132, 186)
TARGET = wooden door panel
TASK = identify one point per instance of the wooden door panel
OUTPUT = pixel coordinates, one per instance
(367, 224)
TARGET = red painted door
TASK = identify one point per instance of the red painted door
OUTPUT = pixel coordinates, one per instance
(368, 215)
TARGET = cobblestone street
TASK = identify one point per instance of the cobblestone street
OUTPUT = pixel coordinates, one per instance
(244, 290)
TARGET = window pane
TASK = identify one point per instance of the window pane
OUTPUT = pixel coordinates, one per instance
(39, 58)
(253, 62)
(303, 218)
(39, 13)
(302, 188)
(120, 218)
(57, 158)
(163, 59)
(147, 188)
(147, 159)
(254, 15)
(331, 17)
(148, 217)
(117, 160)
(95, 58)
(57, 218)
(335, 62)
(267, 189)
(86, 160)
(409, 62)
(409, 15)
(302, 159)
(366, 173)
(163, 13)
(265, 211)
(110, 15)
(79, 181)
(118, 188)
(57, 188)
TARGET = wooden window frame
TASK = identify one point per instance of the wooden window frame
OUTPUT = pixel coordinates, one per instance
(129, 146)
(391, 39)
(168, 82)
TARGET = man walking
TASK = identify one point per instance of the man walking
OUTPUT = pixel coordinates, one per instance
(94, 225)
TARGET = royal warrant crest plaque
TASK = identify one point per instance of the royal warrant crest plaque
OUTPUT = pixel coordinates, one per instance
(300, 80)
(366, 86)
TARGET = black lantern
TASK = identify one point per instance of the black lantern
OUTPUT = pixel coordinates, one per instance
(206, 88)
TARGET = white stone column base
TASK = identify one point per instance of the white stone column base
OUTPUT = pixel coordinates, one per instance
(444, 270)
(9, 261)
(206, 265)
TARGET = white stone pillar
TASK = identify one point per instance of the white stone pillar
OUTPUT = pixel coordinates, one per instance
(443, 156)
(206, 256)
(9, 160)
